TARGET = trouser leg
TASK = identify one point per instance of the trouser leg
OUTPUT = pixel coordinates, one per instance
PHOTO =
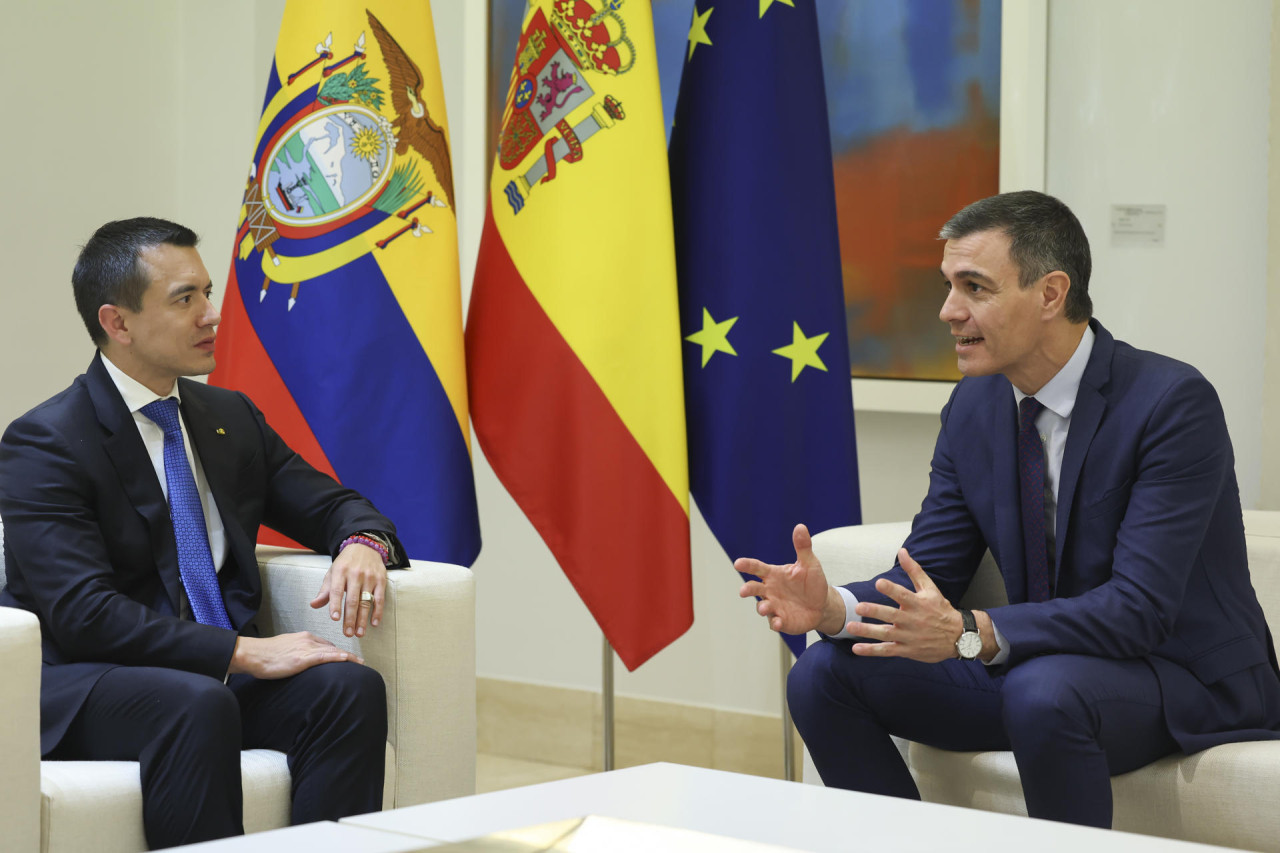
(331, 722)
(846, 708)
(184, 731)
(1076, 721)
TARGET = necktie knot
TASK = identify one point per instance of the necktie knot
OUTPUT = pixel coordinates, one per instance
(1028, 410)
(164, 413)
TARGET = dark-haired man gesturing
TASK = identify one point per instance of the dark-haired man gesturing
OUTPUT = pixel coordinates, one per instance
(131, 502)
(1102, 479)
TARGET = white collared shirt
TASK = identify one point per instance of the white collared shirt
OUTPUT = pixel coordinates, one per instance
(1058, 396)
(136, 395)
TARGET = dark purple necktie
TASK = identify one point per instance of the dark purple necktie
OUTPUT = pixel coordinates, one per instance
(1031, 483)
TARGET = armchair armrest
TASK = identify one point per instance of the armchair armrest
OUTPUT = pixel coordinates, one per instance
(20, 731)
(859, 552)
(424, 650)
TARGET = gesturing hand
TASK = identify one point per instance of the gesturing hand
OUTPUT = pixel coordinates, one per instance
(356, 570)
(284, 655)
(924, 626)
(796, 598)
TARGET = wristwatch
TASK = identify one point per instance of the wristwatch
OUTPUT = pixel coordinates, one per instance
(969, 646)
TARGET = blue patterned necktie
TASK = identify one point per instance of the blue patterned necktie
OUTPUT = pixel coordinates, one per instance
(1031, 484)
(195, 560)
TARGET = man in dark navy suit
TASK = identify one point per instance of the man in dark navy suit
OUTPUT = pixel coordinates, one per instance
(131, 503)
(1102, 479)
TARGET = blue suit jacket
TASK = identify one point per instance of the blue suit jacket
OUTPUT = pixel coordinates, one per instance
(89, 545)
(1150, 558)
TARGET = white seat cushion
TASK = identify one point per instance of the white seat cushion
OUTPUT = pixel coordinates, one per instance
(97, 805)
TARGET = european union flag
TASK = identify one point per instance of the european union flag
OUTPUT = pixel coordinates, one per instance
(767, 392)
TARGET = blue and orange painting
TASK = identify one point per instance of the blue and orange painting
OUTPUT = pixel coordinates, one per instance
(913, 97)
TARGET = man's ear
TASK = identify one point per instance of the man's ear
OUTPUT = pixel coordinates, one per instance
(113, 322)
(1056, 286)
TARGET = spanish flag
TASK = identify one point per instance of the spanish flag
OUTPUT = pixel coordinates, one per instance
(343, 317)
(573, 336)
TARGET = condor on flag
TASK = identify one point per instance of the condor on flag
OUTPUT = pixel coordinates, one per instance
(771, 440)
(342, 318)
(573, 336)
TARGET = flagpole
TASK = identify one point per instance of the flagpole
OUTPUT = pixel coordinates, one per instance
(608, 704)
(788, 741)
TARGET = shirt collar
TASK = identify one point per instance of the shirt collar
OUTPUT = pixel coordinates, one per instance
(135, 394)
(1059, 394)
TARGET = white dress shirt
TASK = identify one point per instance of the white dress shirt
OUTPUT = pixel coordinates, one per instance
(136, 395)
(1058, 396)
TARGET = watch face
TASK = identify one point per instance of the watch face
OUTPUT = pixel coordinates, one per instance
(969, 645)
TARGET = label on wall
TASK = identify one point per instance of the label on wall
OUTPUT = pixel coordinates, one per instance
(1137, 224)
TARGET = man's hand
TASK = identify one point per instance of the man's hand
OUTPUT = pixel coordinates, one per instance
(284, 655)
(795, 598)
(924, 626)
(357, 569)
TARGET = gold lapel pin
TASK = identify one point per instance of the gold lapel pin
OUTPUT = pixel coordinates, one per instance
(221, 431)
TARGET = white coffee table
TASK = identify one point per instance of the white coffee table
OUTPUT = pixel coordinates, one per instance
(752, 808)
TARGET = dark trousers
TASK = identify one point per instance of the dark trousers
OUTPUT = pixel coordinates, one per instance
(1071, 721)
(187, 731)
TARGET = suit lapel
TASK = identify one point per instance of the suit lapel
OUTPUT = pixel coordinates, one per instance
(137, 475)
(1008, 509)
(1085, 418)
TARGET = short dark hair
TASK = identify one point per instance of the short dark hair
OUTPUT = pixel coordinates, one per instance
(109, 270)
(1044, 236)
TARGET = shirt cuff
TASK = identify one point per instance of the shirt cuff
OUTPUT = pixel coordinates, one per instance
(1003, 654)
(850, 602)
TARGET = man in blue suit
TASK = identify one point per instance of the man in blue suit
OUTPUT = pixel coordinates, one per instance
(131, 503)
(1101, 477)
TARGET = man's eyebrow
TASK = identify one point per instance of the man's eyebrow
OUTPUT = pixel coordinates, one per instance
(184, 289)
(969, 274)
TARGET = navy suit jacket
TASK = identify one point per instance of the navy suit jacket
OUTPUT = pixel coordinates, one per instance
(89, 545)
(1150, 552)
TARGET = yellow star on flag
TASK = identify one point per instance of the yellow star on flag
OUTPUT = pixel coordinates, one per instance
(802, 351)
(765, 4)
(698, 30)
(713, 337)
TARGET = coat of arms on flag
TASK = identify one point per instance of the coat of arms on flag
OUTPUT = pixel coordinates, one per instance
(550, 86)
(331, 161)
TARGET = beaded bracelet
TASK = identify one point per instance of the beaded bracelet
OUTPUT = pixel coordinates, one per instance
(371, 543)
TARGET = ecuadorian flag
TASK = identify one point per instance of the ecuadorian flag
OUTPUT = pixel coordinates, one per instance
(342, 318)
(771, 437)
(573, 337)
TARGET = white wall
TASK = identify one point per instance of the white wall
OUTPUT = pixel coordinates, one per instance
(1168, 102)
(150, 106)
(127, 108)
(1271, 372)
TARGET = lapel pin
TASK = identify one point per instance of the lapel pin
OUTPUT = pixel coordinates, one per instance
(220, 431)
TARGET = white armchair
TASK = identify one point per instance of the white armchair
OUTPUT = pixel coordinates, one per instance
(424, 649)
(1226, 795)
